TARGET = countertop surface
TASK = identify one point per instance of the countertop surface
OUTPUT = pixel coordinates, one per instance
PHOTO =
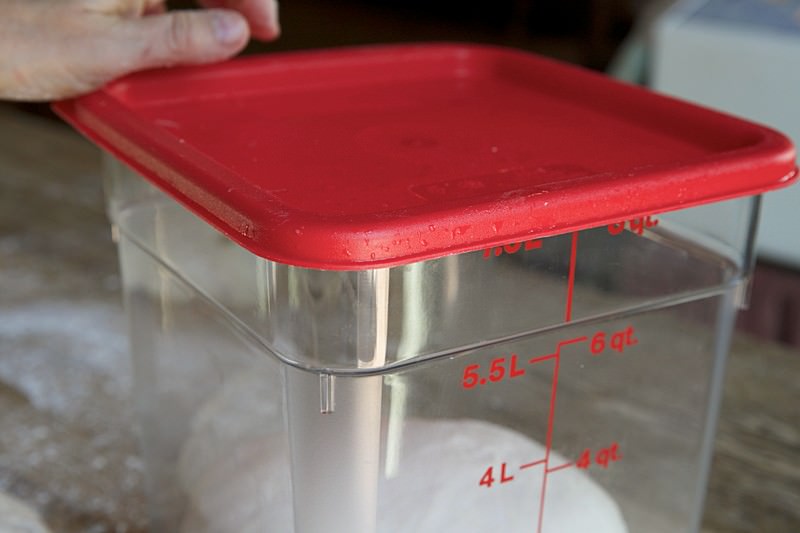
(62, 346)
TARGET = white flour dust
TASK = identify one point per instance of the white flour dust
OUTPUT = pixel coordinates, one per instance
(59, 353)
(16, 517)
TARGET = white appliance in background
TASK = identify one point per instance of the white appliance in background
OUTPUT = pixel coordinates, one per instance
(743, 57)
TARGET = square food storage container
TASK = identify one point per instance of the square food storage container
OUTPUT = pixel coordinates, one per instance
(434, 288)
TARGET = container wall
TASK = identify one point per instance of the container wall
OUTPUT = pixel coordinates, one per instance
(209, 406)
(603, 426)
(311, 317)
(565, 384)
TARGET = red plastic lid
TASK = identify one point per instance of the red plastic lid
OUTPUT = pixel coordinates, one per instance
(379, 156)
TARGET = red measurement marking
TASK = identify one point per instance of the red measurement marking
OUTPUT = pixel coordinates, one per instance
(570, 341)
(554, 392)
(503, 477)
(551, 415)
(571, 281)
(602, 457)
(512, 248)
(533, 245)
(531, 465)
(559, 467)
(619, 341)
(549, 440)
(500, 368)
(488, 479)
(540, 358)
(636, 225)
(513, 371)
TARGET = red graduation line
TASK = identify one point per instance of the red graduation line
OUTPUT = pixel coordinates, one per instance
(559, 467)
(549, 441)
(529, 465)
(539, 359)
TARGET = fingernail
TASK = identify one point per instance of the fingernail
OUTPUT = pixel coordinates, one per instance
(228, 27)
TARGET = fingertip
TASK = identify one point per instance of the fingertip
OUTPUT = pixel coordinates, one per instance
(186, 37)
(262, 16)
(265, 33)
(270, 28)
(229, 27)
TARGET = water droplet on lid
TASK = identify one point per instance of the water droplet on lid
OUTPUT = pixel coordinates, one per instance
(372, 255)
(460, 230)
(431, 227)
(423, 242)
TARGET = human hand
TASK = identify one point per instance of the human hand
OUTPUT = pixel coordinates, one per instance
(53, 49)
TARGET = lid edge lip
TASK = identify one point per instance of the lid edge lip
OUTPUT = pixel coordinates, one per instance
(325, 262)
(363, 261)
(124, 139)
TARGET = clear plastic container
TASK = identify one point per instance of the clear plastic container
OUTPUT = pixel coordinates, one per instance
(583, 381)
(565, 380)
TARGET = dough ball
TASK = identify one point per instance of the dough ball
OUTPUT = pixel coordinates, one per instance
(435, 488)
(246, 491)
(437, 485)
(245, 407)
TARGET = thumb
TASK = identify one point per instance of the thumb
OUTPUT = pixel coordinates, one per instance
(187, 37)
